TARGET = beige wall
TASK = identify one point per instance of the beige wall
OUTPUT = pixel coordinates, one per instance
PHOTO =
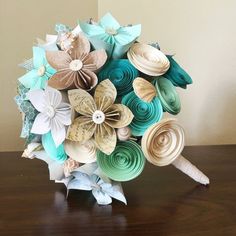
(201, 34)
(20, 23)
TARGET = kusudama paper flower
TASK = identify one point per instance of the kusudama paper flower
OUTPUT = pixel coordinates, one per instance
(145, 113)
(177, 75)
(103, 189)
(54, 114)
(110, 35)
(76, 67)
(98, 117)
(28, 113)
(121, 73)
(125, 163)
(37, 77)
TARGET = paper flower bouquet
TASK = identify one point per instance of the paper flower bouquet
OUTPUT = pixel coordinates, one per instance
(92, 101)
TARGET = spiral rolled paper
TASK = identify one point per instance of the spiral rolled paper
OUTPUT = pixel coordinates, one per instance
(168, 96)
(163, 142)
(125, 163)
(145, 114)
(124, 133)
(121, 73)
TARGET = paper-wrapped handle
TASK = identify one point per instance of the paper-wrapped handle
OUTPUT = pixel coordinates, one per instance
(189, 169)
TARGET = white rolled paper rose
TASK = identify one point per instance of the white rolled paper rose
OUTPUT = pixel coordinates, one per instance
(148, 59)
(162, 144)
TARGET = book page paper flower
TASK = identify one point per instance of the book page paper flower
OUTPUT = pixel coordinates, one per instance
(163, 89)
(37, 77)
(54, 114)
(162, 144)
(110, 35)
(148, 59)
(177, 75)
(102, 190)
(99, 116)
(82, 152)
(144, 113)
(121, 73)
(76, 69)
(125, 163)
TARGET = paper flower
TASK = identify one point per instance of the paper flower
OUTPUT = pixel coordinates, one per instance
(54, 152)
(125, 163)
(75, 68)
(110, 35)
(102, 190)
(49, 44)
(69, 166)
(169, 98)
(148, 59)
(162, 144)
(121, 73)
(37, 78)
(82, 152)
(54, 114)
(124, 134)
(145, 114)
(28, 111)
(163, 89)
(177, 75)
(99, 116)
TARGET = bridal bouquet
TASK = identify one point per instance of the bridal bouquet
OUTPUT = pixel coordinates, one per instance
(92, 101)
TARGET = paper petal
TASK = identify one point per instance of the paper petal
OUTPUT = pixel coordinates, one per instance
(58, 132)
(81, 152)
(95, 60)
(29, 79)
(53, 96)
(82, 102)
(105, 94)
(58, 59)
(105, 138)
(124, 118)
(101, 197)
(38, 99)
(41, 124)
(81, 182)
(86, 79)
(81, 130)
(39, 57)
(108, 21)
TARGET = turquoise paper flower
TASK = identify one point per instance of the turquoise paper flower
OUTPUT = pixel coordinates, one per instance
(37, 78)
(108, 34)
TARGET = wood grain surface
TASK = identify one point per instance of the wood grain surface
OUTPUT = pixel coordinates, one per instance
(162, 201)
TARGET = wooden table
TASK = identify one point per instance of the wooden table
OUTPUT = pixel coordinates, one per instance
(162, 201)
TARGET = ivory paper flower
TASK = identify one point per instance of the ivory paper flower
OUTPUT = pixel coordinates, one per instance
(110, 35)
(99, 116)
(54, 114)
(37, 77)
(76, 67)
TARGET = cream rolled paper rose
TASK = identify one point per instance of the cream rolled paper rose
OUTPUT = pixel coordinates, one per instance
(98, 116)
(162, 144)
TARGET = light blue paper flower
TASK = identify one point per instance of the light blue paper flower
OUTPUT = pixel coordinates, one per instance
(103, 189)
(108, 34)
(37, 78)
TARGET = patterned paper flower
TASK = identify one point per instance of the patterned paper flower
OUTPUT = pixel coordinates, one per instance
(28, 112)
(110, 35)
(76, 67)
(99, 116)
(54, 114)
(37, 77)
(103, 189)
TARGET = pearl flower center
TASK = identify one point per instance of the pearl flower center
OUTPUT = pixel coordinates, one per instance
(41, 70)
(76, 65)
(111, 31)
(50, 111)
(98, 117)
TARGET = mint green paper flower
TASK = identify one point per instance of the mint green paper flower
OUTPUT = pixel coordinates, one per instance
(108, 34)
(37, 77)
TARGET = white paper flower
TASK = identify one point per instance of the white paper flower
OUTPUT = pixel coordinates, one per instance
(54, 114)
(88, 177)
